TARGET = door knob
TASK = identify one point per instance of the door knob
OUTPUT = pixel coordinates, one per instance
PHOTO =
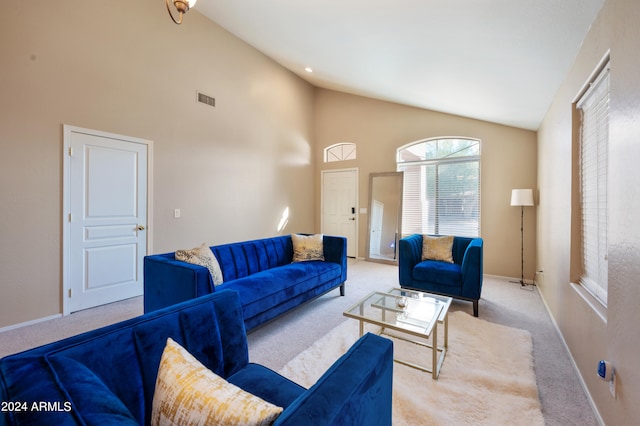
(140, 227)
(352, 218)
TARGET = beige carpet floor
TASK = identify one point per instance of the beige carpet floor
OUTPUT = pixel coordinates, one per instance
(487, 377)
(503, 302)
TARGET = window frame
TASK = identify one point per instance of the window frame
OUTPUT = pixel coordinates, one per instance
(590, 268)
(432, 224)
(337, 152)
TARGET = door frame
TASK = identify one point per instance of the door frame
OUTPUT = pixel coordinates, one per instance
(67, 130)
(357, 195)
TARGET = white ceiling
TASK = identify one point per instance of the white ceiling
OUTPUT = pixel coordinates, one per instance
(495, 60)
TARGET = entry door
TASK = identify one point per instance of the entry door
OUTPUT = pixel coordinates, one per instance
(107, 217)
(339, 204)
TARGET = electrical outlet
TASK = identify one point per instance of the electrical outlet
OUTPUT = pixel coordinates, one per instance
(176, 213)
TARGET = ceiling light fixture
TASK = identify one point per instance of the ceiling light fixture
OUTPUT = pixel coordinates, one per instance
(308, 69)
(182, 6)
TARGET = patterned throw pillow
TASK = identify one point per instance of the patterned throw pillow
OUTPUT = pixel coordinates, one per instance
(307, 247)
(189, 393)
(437, 248)
(202, 256)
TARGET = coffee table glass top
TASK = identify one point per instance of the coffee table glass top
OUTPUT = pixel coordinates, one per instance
(409, 311)
(446, 300)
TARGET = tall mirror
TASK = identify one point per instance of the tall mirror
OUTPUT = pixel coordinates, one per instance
(385, 216)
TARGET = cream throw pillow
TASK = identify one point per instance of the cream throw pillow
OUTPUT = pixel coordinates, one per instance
(202, 256)
(187, 393)
(307, 247)
(437, 248)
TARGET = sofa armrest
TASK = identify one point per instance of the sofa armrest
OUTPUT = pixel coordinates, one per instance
(471, 269)
(409, 255)
(335, 250)
(168, 281)
(356, 390)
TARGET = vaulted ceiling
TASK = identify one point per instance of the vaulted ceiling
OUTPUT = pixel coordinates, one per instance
(496, 60)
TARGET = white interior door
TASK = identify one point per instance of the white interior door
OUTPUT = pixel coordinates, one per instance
(375, 241)
(107, 217)
(339, 206)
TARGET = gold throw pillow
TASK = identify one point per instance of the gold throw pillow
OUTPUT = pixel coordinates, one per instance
(437, 248)
(189, 393)
(307, 247)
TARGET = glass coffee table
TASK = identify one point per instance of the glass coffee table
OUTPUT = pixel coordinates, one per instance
(411, 313)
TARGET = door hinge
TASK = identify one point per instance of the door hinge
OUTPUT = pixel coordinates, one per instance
(70, 152)
(69, 217)
(69, 293)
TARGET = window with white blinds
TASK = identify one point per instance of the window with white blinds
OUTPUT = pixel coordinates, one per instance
(593, 107)
(441, 187)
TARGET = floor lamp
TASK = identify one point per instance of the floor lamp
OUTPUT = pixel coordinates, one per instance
(522, 198)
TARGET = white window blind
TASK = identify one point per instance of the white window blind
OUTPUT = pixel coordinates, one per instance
(594, 141)
(441, 187)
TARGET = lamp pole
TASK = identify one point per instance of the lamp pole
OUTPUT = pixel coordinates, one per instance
(522, 245)
(522, 198)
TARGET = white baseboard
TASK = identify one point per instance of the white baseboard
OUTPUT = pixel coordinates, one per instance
(25, 324)
(502, 277)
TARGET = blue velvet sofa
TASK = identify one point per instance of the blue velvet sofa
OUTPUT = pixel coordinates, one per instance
(261, 271)
(107, 376)
(461, 279)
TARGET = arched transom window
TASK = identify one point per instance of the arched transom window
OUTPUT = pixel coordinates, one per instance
(441, 186)
(340, 152)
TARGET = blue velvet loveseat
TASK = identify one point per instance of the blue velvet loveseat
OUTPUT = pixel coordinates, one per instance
(461, 279)
(108, 376)
(261, 271)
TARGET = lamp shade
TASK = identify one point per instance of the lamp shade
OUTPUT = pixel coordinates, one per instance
(521, 197)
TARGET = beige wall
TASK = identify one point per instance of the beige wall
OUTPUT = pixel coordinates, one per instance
(509, 160)
(589, 337)
(125, 68)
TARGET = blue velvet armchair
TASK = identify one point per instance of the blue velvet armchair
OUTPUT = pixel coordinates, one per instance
(461, 279)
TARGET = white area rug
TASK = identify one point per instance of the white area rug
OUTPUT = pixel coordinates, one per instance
(487, 377)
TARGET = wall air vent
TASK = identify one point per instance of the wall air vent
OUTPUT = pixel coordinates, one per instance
(208, 100)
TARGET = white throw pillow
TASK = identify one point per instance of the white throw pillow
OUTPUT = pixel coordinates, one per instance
(307, 247)
(202, 256)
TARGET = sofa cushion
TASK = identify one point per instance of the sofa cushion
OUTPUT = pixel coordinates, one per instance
(238, 260)
(264, 290)
(434, 271)
(89, 397)
(189, 328)
(437, 248)
(267, 384)
(120, 353)
(202, 256)
(200, 325)
(188, 393)
(28, 379)
(307, 247)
